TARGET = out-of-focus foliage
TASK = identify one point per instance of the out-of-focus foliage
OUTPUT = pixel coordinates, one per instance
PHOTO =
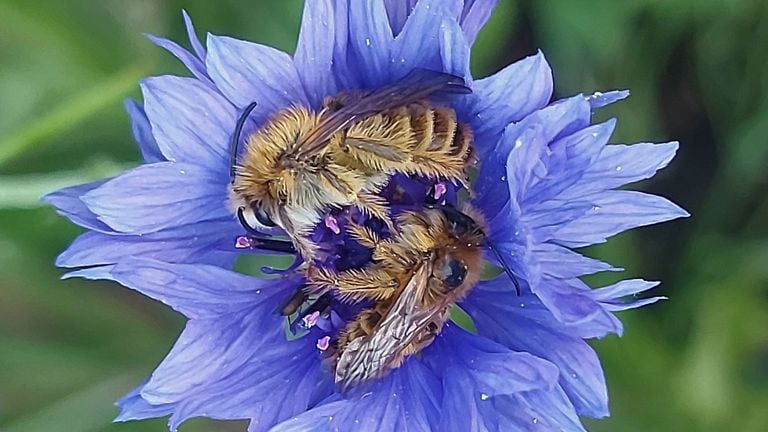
(698, 71)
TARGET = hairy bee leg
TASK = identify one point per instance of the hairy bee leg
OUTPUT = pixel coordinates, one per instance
(374, 206)
(355, 285)
(364, 236)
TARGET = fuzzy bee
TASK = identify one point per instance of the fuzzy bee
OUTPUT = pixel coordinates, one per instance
(433, 260)
(302, 163)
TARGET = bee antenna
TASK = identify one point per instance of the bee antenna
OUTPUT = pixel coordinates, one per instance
(235, 144)
(504, 265)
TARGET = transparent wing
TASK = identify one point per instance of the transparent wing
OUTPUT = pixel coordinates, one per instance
(367, 357)
(419, 84)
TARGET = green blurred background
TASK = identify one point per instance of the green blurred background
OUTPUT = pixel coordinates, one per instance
(698, 71)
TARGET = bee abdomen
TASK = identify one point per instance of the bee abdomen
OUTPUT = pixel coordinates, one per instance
(443, 146)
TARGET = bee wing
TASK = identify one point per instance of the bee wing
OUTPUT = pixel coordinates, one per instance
(417, 85)
(367, 357)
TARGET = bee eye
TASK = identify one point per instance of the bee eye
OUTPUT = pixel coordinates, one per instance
(454, 272)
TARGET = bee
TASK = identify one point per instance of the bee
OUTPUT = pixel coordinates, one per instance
(432, 261)
(303, 162)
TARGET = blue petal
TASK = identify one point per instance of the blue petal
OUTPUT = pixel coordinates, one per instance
(571, 304)
(419, 44)
(153, 197)
(559, 119)
(191, 122)
(463, 409)
(544, 219)
(194, 64)
(247, 72)
(510, 320)
(344, 67)
(142, 132)
(397, 12)
(618, 165)
(370, 40)
(68, 204)
(614, 212)
(493, 368)
(477, 373)
(562, 263)
(611, 296)
(405, 400)
(314, 51)
(133, 407)
(279, 380)
(196, 243)
(192, 36)
(600, 99)
(541, 410)
(206, 351)
(454, 50)
(239, 366)
(197, 291)
(474, 16)
(570, 157)
(508, 96)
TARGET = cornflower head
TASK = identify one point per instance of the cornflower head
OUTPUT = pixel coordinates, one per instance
(544, 182)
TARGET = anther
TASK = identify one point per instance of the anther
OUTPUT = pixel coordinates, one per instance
(310, 320)
(243, 242)
(332, 224)
(323, 343)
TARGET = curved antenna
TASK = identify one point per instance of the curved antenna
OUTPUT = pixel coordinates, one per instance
(235, 144)
(457, 216)
(504, 265)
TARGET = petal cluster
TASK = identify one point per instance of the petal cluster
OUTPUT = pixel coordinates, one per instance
(547, 184)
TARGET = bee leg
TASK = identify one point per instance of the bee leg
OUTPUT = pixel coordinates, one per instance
(364, 236)
(374, 206)
(358, 284)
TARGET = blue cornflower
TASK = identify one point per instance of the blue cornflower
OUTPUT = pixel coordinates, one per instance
(546, 184)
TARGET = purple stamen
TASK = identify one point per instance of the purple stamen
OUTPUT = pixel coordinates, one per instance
(323, 343)
(243, 242)
(311, 319)
(332, 224)
(440, 190)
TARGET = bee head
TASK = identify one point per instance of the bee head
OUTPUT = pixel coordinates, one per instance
(468, 229)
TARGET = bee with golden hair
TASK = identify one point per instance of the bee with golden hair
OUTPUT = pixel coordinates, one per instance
(303, 163)
(433, 260)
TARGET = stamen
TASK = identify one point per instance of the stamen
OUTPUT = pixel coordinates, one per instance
(440, 190)
(311, 319)
(243, 242)
(332, 224)
(323, 343)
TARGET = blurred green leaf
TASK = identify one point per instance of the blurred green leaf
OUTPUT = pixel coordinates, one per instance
(69, 113)
(83, 411)
(24, 191)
